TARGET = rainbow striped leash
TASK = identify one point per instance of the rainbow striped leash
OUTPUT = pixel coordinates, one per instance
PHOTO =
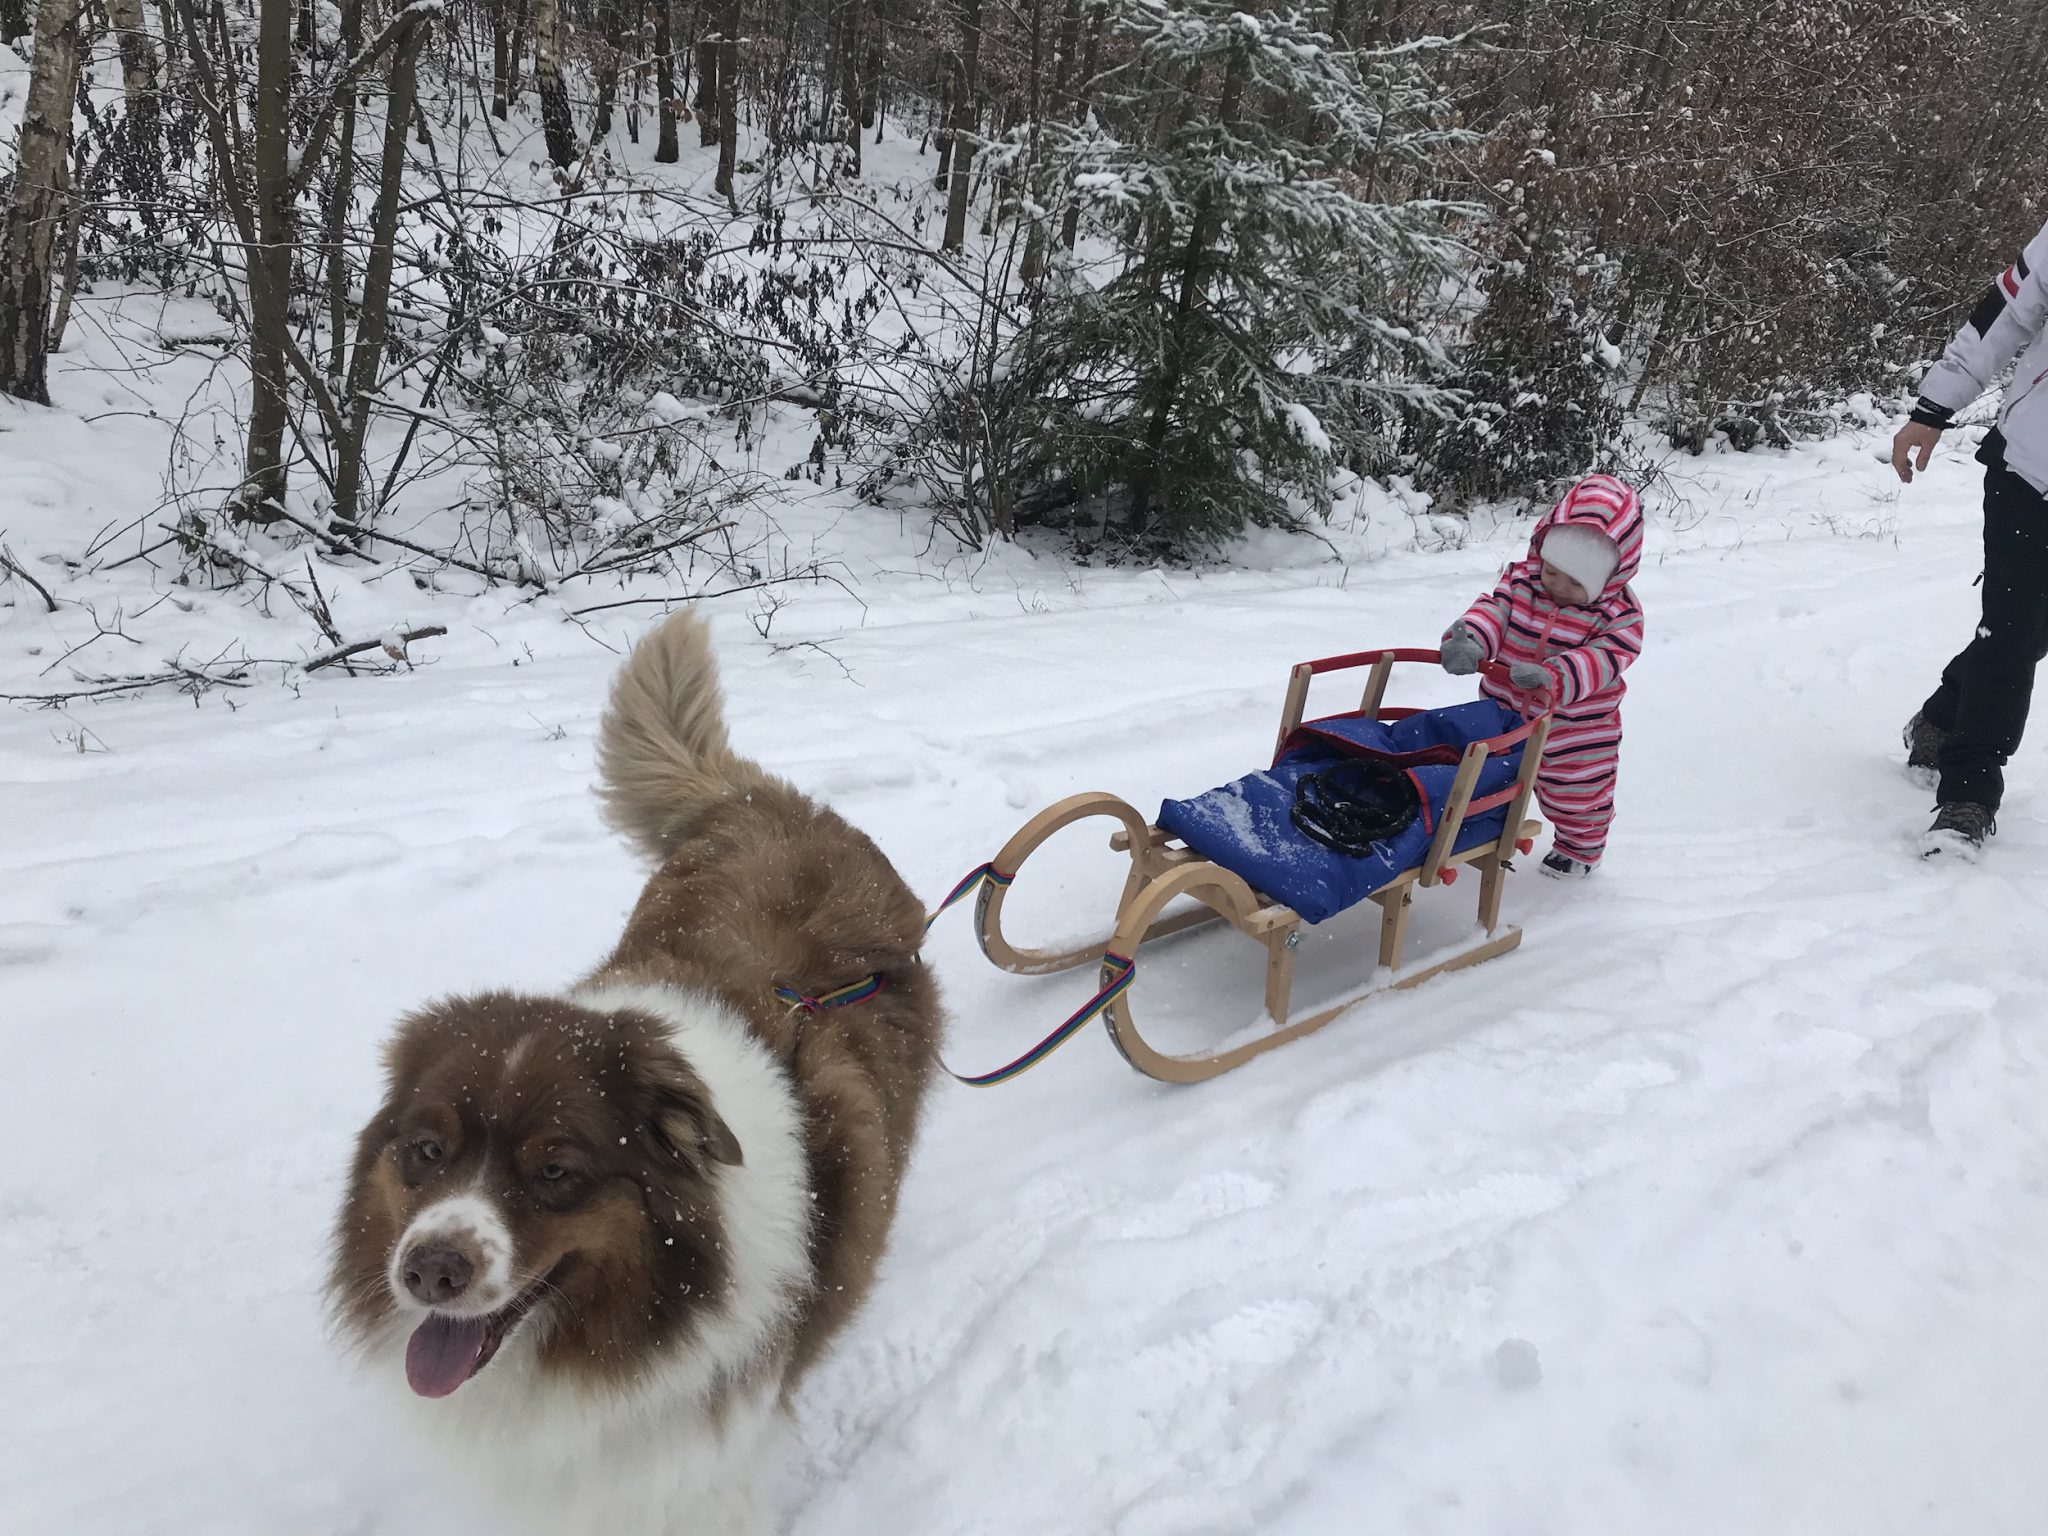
(967, 887)
(838, 997)
(1118, 973)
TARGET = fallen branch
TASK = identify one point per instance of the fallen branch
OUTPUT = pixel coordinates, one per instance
(139, 554)
(194, 678)
(340, 529)
(194, 533)
(220, 674)
(381, 643)
(675, 599)
(627, 562)
(15, 568)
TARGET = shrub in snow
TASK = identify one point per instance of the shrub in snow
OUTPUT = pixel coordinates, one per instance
(1538, 379)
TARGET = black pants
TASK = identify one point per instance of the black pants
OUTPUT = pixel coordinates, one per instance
(1985, 690)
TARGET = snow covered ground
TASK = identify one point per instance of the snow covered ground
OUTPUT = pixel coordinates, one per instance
(1716, 1207)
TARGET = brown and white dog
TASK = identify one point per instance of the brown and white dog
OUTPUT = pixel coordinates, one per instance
(603, 1233)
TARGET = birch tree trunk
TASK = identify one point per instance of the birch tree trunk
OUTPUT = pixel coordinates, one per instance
(139, 158)
(35, 215)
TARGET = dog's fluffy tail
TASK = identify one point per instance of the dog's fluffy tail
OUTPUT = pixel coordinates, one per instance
(662, 754)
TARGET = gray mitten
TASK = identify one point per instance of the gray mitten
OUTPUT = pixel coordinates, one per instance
(1529, 675)
(1461, 650)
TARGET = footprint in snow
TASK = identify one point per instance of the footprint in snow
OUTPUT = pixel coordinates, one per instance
(1196, 1203)
(1516, 1365)
(329, 855)
(1614, 1089)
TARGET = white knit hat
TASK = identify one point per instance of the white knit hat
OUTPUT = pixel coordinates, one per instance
(1585, 554)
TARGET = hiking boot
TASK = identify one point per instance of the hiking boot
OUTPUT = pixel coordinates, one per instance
(1924, 741)
(1959, 830)
(1562, 866)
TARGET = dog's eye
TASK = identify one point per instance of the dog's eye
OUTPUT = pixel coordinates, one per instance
(558, 1185)
(417, 1159)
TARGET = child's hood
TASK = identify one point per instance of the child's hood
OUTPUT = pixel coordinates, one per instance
(1602, 503)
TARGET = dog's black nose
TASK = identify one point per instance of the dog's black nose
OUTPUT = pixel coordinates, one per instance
(436, 1276)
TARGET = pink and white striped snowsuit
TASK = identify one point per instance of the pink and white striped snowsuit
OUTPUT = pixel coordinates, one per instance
(1585, 649)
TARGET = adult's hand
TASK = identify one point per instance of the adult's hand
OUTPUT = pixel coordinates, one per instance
(1913, 447)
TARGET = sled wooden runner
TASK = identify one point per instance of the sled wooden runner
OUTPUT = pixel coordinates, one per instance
(1163, 872)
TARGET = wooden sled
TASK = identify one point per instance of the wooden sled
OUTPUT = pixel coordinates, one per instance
(1163, 869)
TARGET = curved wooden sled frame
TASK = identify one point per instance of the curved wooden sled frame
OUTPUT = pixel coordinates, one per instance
(1163, 871)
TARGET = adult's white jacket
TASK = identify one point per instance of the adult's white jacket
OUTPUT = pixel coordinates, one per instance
(2010, 321)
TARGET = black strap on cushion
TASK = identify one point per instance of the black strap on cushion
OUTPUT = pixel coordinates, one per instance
(1353, 805)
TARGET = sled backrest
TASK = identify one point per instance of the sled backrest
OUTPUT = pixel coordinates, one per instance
(1531, 735)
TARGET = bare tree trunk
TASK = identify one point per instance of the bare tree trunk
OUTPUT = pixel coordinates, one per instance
(269, 265)
(1083, 87)
(1069, 48)
(515, 52)
(612, 53)
(871, 69)
(339, 201)
(963, 123)
(707, 87)
(366, 358)
(1033, 265)
(557, 126)
(728, 96)
(667, 151)
(962, 126)
(86, 187)
(949, 91)
(501, 38)
(35, 215)
(850, 53)
(643, 56)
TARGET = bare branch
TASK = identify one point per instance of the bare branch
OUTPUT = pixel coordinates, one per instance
(381, 643)
(13, 567)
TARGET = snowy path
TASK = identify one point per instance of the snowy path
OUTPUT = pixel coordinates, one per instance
(1717, 1207)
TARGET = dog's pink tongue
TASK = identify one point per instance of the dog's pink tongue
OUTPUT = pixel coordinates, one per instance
(442, 1353)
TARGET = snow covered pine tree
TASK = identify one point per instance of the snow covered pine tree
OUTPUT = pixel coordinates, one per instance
(1538, 377)
(1246, 331)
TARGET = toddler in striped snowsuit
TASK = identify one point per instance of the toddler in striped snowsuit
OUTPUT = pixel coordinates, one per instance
(1564, 618)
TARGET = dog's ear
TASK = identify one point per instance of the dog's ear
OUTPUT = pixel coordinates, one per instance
(676, 1109)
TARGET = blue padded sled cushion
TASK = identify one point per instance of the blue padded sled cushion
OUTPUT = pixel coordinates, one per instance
(1244, 825)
